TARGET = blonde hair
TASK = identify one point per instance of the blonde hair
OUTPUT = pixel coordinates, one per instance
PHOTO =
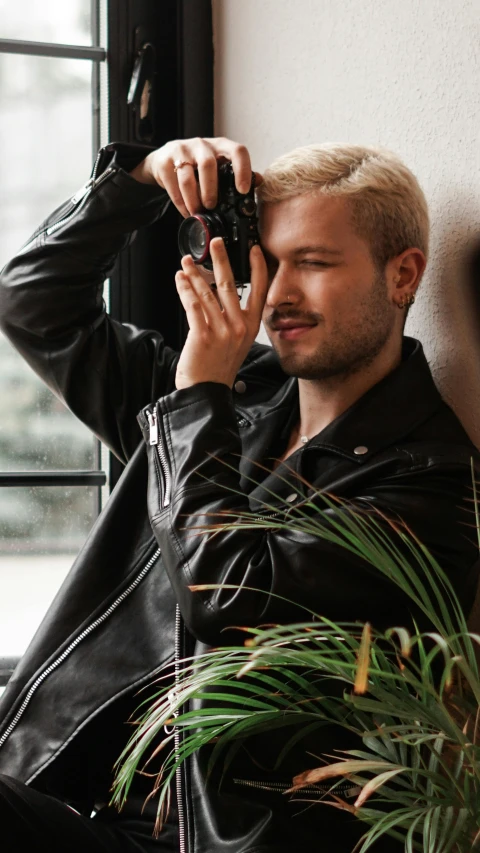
(389, 209)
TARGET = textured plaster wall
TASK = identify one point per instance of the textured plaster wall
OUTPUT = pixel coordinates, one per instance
(404, 74)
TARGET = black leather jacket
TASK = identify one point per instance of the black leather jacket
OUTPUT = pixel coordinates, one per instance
(112, 624)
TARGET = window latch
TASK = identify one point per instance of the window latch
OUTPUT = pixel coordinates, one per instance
(141, 92)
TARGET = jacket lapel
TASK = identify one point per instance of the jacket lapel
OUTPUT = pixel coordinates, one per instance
(381, 418)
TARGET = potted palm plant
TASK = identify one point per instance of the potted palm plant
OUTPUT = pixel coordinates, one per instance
(413, 698)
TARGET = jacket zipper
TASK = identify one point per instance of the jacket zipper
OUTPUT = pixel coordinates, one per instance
(176, 739)
(78, 201)
(72, 646)
(349, 791)
(161, 457)
(269, 516)
(161, 465)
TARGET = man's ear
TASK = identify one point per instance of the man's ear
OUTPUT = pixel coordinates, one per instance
(404, 274)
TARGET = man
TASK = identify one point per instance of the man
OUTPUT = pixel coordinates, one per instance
(342, 402)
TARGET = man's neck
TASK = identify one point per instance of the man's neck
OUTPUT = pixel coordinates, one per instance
(321, 401)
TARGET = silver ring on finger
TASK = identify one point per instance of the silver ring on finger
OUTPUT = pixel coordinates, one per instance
(179, 164)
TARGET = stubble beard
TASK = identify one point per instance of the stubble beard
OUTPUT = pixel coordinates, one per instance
(349, 350)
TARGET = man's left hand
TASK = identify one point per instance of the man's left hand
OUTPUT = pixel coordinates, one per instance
(221, 331)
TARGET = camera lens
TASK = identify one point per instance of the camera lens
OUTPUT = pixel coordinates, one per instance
(195, 234)
(194, 238)
(198, 239)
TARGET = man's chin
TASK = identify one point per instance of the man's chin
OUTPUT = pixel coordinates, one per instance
(292, 365)
(299, 365)
(303, 367)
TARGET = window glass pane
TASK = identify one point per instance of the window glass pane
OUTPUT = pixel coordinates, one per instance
(63, 21)
(45, 139)
(37, 432)
(41, 530)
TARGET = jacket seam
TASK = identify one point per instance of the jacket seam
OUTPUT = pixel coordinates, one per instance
(429, 465)
(248, 415)
(173, 410)
(191, 490)
(168, 436)
(186, 568)
(78, 207)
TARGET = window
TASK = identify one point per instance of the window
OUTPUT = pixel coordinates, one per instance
(50, 465)
(65, 72)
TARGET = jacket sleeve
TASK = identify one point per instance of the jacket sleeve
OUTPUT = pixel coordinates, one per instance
(194, 478)
(52, 308)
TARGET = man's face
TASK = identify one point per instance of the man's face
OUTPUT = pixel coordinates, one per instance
(327, 312)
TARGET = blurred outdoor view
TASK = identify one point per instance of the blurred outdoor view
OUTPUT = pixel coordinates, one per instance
(46, 145)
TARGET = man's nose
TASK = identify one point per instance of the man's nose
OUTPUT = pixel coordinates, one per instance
(283, 289)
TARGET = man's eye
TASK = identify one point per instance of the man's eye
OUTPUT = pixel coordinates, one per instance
(315, 263)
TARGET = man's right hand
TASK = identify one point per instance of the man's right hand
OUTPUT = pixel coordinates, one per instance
(187, 193)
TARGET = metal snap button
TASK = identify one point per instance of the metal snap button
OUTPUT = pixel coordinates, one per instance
(292, 497)
(240, 387)
(360, 450)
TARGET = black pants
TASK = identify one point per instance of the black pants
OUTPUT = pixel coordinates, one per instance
(32, 821)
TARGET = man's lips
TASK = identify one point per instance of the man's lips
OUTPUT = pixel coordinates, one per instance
(291, 329)
(293, 332)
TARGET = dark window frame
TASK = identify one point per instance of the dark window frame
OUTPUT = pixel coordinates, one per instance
(142, 284)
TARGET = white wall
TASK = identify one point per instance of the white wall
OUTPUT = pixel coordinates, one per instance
(404, 74)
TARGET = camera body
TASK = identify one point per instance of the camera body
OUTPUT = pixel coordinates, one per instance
(234, 218)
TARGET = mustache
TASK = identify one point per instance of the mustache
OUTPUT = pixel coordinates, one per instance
(304, 317)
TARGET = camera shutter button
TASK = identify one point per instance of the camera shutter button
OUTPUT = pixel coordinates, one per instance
(240, 387)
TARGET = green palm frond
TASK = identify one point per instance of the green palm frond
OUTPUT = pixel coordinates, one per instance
(412, 697)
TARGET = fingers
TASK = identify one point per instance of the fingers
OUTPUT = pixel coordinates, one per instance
(207, 153)
(188, 187)
(181, 181)
(208, 176)
(195, 184)
(240, 158)
(201, 292)
(170, 181)
(259, 282)
(221, 327)
(225, 285)
(242, 168)
(221, 305)
(224, 279)
(191, 303)
(198, 189)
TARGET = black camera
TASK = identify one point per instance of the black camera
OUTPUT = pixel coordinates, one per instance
(234, 218)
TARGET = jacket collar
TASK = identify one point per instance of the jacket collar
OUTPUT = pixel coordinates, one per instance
(388, 412)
